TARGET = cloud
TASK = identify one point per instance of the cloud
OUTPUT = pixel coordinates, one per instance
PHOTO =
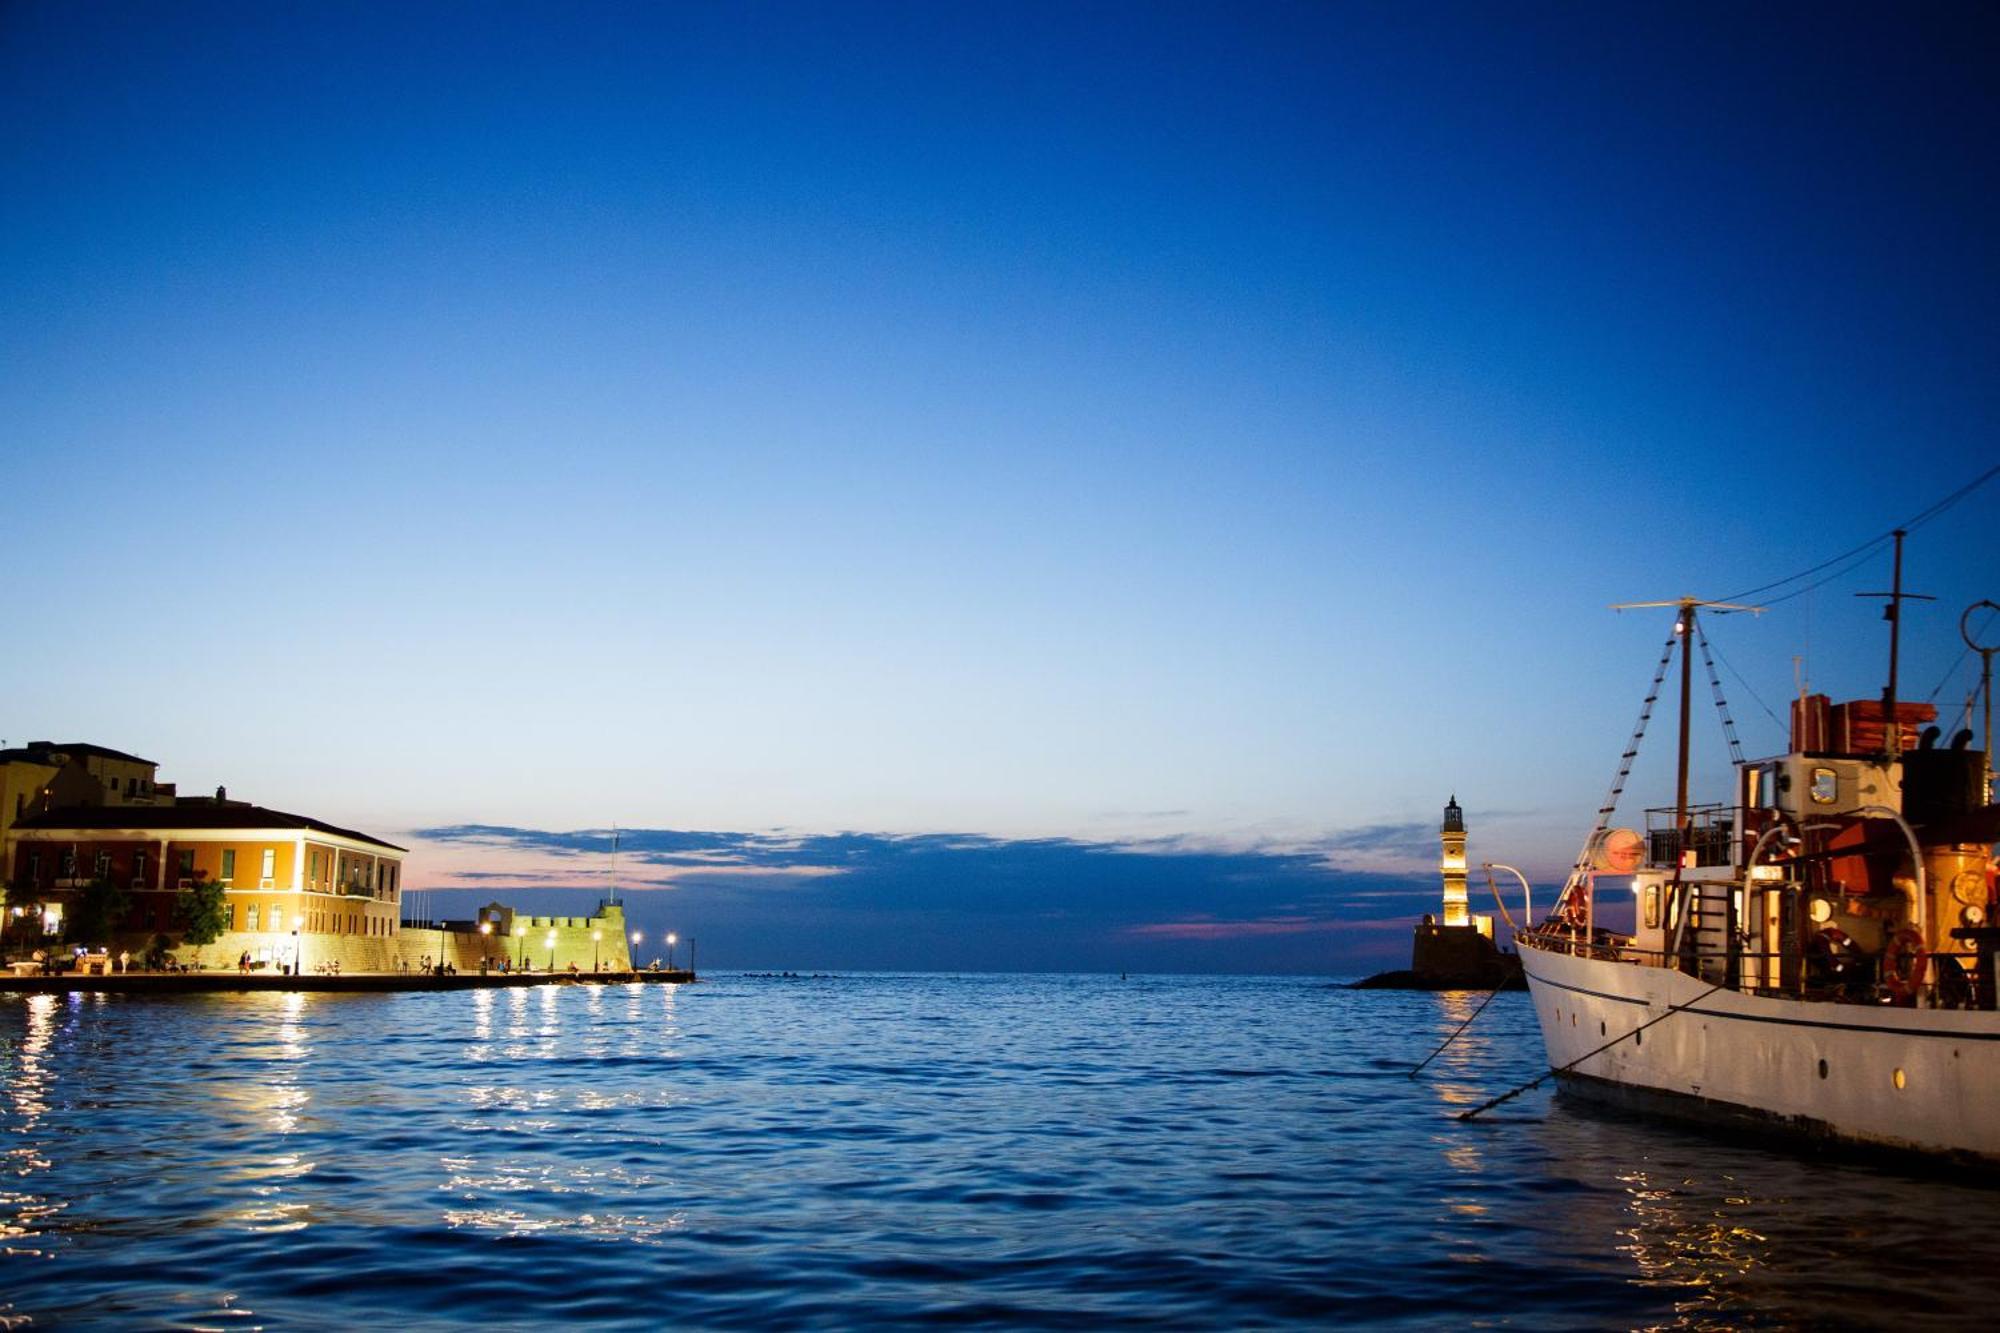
(779, 897)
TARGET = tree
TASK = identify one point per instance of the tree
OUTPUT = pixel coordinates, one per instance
(99, 908)
(25, 897)
(201, 913)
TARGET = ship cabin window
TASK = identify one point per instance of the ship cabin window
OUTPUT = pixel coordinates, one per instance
(1825, 786)
(1652, 900)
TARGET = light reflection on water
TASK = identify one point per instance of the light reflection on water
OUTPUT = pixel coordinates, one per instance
(1018, 1151)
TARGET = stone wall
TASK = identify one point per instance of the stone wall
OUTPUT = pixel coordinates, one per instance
(573, 942)
(410, 947)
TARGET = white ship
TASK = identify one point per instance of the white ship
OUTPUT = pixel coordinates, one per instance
(1813, 955)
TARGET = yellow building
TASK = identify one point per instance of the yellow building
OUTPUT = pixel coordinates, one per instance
(291, 884)
(46, 775)
(24, 787)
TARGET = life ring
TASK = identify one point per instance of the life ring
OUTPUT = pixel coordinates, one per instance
(1904, 961)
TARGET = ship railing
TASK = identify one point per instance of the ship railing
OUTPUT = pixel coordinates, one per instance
(1709, 841)
(1757, 972)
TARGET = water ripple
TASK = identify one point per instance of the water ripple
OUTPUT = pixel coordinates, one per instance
(901, 1150)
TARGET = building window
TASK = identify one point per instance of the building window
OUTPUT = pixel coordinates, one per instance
(34, 867)
(270, 861)
(114, 786)
(102, 866)
(68, 866)
(187, 864)
(253, 916)
(138, 865)
(228, 864)
(229, 916)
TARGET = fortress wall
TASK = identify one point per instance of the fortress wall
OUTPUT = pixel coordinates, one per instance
(410, 946)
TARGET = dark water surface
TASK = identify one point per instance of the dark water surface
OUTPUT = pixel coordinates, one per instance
(876, 1150)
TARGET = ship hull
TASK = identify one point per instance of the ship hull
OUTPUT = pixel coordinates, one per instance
(1911, 1080)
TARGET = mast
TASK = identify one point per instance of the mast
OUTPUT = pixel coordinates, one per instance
(1681, 815)
(1684, 608)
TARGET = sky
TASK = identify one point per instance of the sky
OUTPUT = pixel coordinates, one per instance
(1069, 485)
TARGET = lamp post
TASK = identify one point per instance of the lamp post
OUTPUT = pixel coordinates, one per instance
(521, 934)
(485, 934)
(551, 942)
(672, 940)
(596, 937)
(298, 922)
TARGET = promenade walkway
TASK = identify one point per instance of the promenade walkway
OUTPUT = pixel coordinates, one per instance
(190, 983)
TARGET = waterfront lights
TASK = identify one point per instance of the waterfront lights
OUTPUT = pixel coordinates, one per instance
(521, 934)
(551, 942)
(672, 940)
(596, 938)
(298, 923)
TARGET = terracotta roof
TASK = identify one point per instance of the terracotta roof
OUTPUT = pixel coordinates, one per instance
(36, 752)
(204, 815)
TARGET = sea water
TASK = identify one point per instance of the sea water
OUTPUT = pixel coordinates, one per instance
(1019, 1151)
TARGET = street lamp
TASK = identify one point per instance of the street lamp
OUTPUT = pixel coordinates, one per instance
(297, 923)
(485, 933)
(551, 942)
(637, 935)
(672, 940)
(521, 934)
(596, 936)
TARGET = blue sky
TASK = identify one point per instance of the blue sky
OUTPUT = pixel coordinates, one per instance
(1212, 429)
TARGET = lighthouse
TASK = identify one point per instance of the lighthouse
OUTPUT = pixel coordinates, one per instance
(1454, 949)
(1452, 864)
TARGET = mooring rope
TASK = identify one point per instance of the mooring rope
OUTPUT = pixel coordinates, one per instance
(1672, 1009)
(1461, 1027)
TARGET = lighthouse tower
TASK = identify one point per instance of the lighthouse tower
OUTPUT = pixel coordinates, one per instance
(1452, 864)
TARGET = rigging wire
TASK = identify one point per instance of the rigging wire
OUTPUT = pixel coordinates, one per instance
(1750, 689)
(1721, 704)
(1604, 813)
(1952, 670)
(1867, 548)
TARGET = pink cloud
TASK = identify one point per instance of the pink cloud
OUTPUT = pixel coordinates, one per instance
(1207, 928)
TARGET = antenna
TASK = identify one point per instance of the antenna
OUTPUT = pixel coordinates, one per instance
(1892, 733)
(1985, 652)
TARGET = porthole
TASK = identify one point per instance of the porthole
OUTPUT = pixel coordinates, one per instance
(1822, 1069)
(1897, 1078)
